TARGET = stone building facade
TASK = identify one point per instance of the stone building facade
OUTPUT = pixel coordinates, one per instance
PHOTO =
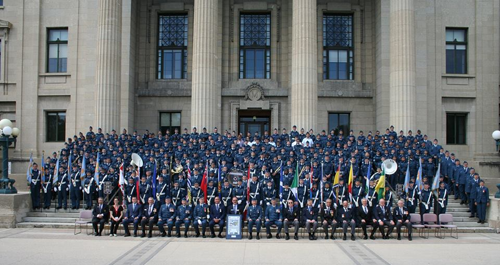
(323, 64)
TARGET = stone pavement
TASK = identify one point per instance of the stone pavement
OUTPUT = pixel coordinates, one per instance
(60, 246)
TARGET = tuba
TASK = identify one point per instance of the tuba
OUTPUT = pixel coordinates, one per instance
(390, 166)
(136, 161)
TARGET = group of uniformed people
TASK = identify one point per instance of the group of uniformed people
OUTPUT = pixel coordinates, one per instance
(175, 166)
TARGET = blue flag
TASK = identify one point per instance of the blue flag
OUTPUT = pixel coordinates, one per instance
(154, 181)
(419, 183)
(407, 178)
(28, 173)
(281, 180)
(435, 182)
(96, 174)
(70, 166)
(56, 173)
(368, 172)
(43, 167)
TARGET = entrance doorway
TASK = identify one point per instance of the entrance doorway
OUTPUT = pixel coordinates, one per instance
(254, 121)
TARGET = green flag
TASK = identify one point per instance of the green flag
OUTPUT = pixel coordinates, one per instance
(380, 187)
(295, 182)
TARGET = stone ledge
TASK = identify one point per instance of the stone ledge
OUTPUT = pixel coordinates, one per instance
(13, 207)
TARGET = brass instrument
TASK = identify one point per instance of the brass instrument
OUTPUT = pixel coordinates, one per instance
(178, 170)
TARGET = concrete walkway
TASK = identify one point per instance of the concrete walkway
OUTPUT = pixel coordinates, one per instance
(58, 246)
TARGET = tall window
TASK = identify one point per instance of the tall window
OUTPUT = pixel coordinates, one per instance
(338, 52)
(339, 121)
(57, 43)
(456, 51)
(456, 127)
(255, 46)
(56, 126)
(1, 2)
(170, 121)
(172, 46)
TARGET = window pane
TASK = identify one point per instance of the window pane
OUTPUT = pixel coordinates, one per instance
(61, 127)
(255, 32)
(450, 61)
(449, 35)
(459, 35)
(249, 64)
(167, 64)
(259, 64)
(165, 119)
(172, 42)
(460, 61)
(338, 33)
(176, 119)
(177, 64)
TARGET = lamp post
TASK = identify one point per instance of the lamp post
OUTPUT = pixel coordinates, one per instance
(496, 137)
(8, 135)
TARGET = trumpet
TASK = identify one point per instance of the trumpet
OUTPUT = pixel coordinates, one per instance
(177, 170)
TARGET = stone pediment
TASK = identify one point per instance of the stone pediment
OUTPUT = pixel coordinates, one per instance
(5, 24)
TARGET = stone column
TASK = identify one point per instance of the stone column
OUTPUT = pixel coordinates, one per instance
(206, 88)
(304, 91)
(108, 65)
(403, 114)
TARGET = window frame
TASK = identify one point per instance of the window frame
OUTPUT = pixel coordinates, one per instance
(455, 43)
(456, 132)
(242, 71)
(47, 127)
(49, 42)
(170, 127)
(160, 49)
(338, 122)
(350, 50)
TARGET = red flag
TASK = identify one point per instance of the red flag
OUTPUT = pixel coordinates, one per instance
(204, 182)
(121, 183)
(248, 184)
(137, 187)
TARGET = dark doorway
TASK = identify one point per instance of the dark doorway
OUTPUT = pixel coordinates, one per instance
(254, 121)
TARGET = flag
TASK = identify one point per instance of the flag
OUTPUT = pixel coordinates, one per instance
(43, 167)
(154, 181)
(96, 174)
(368, 172)
(204, 182)
(407, 178)
(56, 173)
(121, 181)
(337, 177)
(248, 185)
(137, 192)
(219, 180)
(351, 180)
(419, 183)
(84, 165)
(295, 182)
(189, 198)
(281, 181)
(29, 171)
(435, 182)
(380, 187)
(321, 185)
(311, 182)
(69, 169)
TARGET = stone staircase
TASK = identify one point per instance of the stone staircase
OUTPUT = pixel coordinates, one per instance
(66, 219)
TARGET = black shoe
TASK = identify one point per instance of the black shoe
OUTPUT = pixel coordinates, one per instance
(150, 236)
(386, 237)
(269, 236)
(345, 237)
(185, 235)
(143, 235)
(310, 237)
(353, 237)
(163, 234)
(198, 235)
(220, 236)
(296, 237)
(204, 236)
(178, 235)
(468, 211)
(365, 237)
(57, 208)
(258, 236)
(287, 236)
(472, 216)
(65, 208)
(250, 237)
(278, 236)
(135, 235)
(126, 235)
(332, 237)
(212, 236)
(399, 237)
(169, 234)
(409, 237)
(479, 221)
(372, 237)
(326, 236)
(96, 234)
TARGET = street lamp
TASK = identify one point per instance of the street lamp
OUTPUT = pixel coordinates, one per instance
(8, 135)
(496, 137)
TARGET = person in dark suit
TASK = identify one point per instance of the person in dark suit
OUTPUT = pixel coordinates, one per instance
(481, 201)
(328, 218)
(291, 217)
(384, 217)
(217, 217)
(133, 215)
(402, 218)
(310, 217)
(100, 215)
(345, 218)
(235, 208)
(365, 217)
(149, 217)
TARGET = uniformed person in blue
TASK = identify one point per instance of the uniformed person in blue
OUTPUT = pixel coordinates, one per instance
(481, 201)
(132, 215)
(402, 218)
(342, 191)
(89, 189)
(268, 193)
(177, 194)
(145, 190)
(310, 218)
(358, 192)
(426, 200)
(255, 190)
(183, 217)
(346, 219)
(254, 218)
(473, 193)
(196, 194)
(302, 193)
(161, 190)
(442, 198)
(384, 218)
(315, 196)
(62, 188)
(226, 193)
(372, 196)
(212, 192)
(47, 187)
(149, 217)
(35, 185)
(217, 217)
(75, 188)
(411, 197)
(291, 216)
(273, 216)
(200, 215)
(167, 216)
(328, 216)
(240, 192)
